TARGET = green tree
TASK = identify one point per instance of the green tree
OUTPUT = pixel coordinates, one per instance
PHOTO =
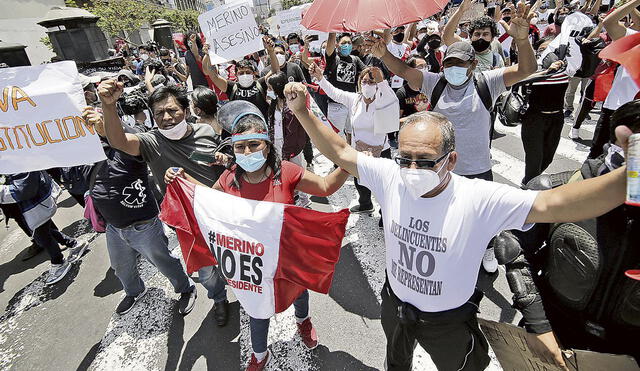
(118, 16)
(46, 41)
(286, 4)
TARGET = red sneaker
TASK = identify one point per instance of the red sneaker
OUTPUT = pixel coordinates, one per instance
(308, 333)
(254, 365)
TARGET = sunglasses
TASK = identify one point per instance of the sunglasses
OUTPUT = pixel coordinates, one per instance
(420, 163)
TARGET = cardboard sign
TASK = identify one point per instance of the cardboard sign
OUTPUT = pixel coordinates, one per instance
(510, 346)
(289, 21)
(40, 119)
(231, 32)
(476, 11)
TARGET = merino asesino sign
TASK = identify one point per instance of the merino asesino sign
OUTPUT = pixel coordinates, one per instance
(40, 119)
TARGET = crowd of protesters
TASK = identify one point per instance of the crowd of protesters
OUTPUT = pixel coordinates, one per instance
(449, 76)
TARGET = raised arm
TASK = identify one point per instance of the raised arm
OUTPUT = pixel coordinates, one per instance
(331, 44)
(316, 185)
(519, 30)
(340, 96)
(109, 92)
(449, 32)
(269, 46)
(194, 47)
(583, 200)
(395, 65)
(325, 139)
(612, 21)
(212, 72)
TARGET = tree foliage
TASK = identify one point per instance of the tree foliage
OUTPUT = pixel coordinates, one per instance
(286, 4)
(118, 16)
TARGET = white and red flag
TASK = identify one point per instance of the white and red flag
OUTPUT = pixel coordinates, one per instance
(268, 252)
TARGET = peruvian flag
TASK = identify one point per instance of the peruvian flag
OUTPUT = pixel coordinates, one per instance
(268, 252)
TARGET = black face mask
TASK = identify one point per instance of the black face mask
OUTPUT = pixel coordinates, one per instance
(559, 20)
(398, 37)
(434, 44)
(506, 19)
(480, 45)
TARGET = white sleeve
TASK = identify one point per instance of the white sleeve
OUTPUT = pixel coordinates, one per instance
(340, 96)
(495, 82)
(374, 173)
(504, 207)
(429, 81)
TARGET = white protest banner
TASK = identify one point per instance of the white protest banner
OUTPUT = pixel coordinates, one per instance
(289, 20)
(231, 31)
(40, 119)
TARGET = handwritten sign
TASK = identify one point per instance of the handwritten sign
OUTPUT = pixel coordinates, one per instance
(231, 31)
(510, 346)
(289, 20)
(476, 11)
(40, 122)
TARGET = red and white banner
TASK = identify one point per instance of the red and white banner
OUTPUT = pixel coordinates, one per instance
(268, 252)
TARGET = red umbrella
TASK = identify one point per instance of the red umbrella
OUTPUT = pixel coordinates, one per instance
(625, 51)
(367, 15)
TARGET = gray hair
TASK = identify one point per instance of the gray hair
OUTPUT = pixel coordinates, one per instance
(445, 126)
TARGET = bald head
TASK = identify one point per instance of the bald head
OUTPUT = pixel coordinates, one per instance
(429, 133)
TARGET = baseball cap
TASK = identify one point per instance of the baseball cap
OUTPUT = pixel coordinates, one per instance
(461, 50)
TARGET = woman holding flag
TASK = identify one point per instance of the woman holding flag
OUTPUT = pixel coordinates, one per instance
(259, 174)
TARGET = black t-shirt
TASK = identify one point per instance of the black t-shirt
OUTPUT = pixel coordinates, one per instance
(548, 95)
(255, 94)
(196, 75)
(342, 72)
(121, 192)
(293, 71)
(411, 101)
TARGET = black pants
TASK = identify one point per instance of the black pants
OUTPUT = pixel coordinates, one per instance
(364, 194)
(48, 236)
(587, 104)
(452, 338)
(602, 133)
(308, 152)
(78, 197)
(540, 138)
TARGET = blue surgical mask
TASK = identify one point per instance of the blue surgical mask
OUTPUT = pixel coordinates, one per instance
(251, 162)
(271, 94)
(455, 75)
(345, 49)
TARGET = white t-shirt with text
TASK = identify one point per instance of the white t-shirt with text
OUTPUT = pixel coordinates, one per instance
(434, 246)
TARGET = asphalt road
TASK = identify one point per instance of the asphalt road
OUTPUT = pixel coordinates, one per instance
(72, 325)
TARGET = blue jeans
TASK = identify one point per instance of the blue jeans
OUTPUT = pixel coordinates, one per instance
(211, 279)
(147, 239)
(260, 327)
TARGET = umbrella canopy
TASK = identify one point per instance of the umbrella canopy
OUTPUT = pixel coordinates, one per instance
(625, 51)
(367, 15)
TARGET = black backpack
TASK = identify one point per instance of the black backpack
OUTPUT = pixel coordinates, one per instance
(481, 87)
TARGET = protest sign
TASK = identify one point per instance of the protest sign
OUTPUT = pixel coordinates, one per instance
(231, 32)
(510, 346)
(40, 122)
(476, 11)
(289, 21)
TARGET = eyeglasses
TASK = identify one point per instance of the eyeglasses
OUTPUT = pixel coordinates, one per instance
(420, 163)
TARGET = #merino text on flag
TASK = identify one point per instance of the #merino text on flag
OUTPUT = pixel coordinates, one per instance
(268, 252)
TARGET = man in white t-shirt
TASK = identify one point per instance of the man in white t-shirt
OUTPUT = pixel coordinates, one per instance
(400, 49)
(436, 227)
(623, 89)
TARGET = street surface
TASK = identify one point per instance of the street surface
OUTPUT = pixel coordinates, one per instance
(72, 325)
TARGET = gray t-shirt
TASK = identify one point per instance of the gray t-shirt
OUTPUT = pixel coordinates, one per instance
(471, 121)
(162, 153)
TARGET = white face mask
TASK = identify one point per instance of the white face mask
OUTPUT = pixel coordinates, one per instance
(144, 56)
(369, 91)
(245, 80)
(281, 59)
(271, 94)
(421, 181)
(176, 132)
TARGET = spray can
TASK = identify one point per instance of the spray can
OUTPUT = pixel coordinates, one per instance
(633, 171)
